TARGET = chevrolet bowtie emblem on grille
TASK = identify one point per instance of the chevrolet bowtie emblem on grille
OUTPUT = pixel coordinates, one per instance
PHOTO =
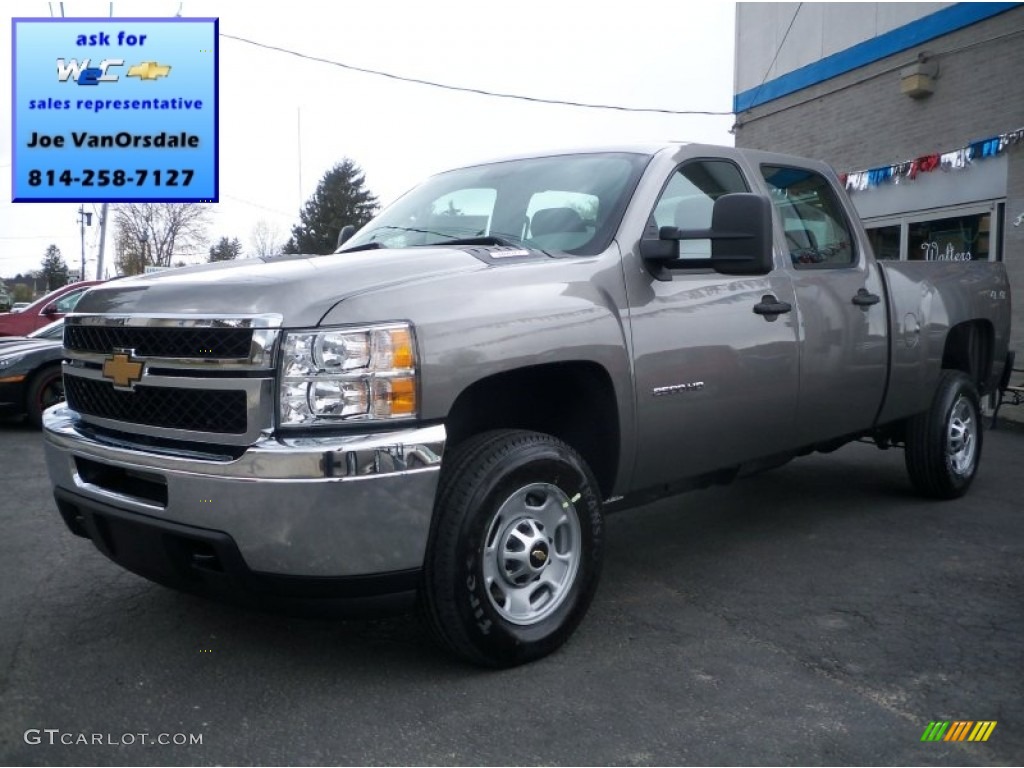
(122, 370)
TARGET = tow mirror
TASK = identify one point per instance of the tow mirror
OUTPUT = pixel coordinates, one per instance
(740, 235)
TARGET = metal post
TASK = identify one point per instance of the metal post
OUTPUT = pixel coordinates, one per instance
(81, 222)
(103, 240)
(84, 220)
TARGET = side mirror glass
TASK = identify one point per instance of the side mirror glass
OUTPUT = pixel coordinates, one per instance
(50, 309)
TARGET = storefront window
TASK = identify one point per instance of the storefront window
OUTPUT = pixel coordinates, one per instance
(959, 238)
(885, 242)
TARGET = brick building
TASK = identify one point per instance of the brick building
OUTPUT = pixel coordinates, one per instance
(919, 107)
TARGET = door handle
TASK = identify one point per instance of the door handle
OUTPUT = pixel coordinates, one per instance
(865, 299)
(770, 307)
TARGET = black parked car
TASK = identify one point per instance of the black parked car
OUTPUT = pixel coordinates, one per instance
(30, 378)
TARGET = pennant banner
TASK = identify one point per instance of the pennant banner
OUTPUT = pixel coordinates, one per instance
(856, 181)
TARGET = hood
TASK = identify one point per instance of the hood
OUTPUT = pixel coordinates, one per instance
(300, 288)
(19, 345)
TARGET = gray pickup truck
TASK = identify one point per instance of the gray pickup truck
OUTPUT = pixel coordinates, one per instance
(445, 408)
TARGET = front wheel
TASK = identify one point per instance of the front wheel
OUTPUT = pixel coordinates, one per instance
(943, 444)
(515, 553)
(46, 389)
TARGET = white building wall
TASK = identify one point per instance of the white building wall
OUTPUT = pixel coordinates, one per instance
(820, 30)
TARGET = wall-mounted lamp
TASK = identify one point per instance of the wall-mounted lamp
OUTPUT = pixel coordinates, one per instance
(918, 80)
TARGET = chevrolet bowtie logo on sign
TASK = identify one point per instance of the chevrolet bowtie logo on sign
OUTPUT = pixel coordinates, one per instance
(122, 370)
(958, 730)
(149, 70)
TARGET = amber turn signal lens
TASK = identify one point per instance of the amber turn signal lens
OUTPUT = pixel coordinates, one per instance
(401, 348)
(395, 397)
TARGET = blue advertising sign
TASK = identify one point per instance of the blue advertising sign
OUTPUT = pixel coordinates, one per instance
(115, 110)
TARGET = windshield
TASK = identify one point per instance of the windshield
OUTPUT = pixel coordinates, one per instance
(54, 330)
(570, 203)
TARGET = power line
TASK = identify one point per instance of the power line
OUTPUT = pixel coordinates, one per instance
(478, 91)
(257, 205)
(34, 237)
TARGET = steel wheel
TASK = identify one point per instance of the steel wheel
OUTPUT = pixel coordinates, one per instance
(943, 444)
(515, 551)
(962, 437)
(532, 553)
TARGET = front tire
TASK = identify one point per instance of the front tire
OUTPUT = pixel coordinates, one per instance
(515, 553)
(943, 444)
(45, 389)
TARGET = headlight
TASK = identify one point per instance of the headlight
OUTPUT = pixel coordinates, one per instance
(329, 375)
(6, 362)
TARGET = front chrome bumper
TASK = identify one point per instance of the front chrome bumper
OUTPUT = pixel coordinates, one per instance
(306, 506)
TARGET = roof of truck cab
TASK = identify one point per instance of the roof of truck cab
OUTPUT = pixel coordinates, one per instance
(636, 149)
(650, 149)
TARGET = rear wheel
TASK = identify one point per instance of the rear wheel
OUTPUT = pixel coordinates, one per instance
(515, 553)
(45, 389)
(943, 444)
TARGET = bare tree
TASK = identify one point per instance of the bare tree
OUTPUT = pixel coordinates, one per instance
(266, 239)
(164, 229)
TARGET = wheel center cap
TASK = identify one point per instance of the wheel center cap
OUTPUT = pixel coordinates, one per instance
(539, 555)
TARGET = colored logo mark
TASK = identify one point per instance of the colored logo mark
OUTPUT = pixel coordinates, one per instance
(958, 730)
(122, 370)
(149, 70)
(82, 73)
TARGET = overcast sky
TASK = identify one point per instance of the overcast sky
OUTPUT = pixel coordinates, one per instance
(645, 53)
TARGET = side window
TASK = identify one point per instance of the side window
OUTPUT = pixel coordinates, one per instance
(817, 234)
(67, 302)
(689, 198)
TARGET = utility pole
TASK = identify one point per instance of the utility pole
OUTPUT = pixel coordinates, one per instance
(103, 238)
(84, 220)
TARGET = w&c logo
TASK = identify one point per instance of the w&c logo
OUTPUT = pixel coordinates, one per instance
(84, 74)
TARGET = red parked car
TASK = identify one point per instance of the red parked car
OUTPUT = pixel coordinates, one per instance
(53, 306)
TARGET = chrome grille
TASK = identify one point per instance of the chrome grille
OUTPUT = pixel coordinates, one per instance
(203, 379)
(192, 343)
(201, 410)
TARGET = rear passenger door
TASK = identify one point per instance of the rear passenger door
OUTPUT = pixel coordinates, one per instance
(840, 305)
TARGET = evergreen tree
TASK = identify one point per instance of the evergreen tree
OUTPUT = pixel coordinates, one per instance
(341, 198)
(55, 270)
(226, 250)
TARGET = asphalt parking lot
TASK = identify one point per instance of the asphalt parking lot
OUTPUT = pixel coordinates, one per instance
(819, 614)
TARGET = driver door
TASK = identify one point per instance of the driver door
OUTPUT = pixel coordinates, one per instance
(716, 383)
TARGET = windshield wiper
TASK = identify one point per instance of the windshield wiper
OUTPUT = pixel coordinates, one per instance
(482, 240)
(363, 247)
(507, 241)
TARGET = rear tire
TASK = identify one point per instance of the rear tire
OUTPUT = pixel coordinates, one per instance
(943, 444)
(45, 389)
(515, 552)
